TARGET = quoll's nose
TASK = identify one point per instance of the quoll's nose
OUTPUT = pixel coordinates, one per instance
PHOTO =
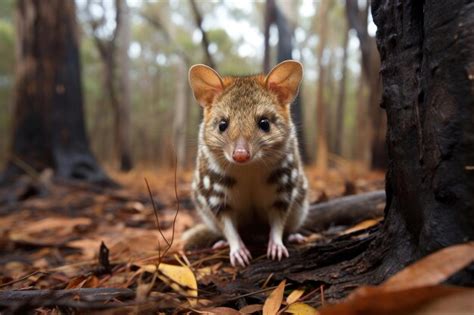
(241, 155)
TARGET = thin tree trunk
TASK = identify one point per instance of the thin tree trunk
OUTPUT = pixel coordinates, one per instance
(123, 111)
(205, 40)
(180, 114)
(269, 19)
(341, 99)
(48, 129)
(370, 68)
(321, 123)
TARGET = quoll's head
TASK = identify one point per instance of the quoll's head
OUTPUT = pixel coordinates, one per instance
(246, 119)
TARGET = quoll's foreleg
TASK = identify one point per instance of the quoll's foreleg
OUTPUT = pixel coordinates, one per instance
(239, 254)
(276, 248)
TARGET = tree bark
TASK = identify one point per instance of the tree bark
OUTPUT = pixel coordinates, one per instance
(321, 123)
(48, 129)
(427, 73)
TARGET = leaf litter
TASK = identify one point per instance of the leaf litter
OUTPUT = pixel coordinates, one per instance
(99, 248)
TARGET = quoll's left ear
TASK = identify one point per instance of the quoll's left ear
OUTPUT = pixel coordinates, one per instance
(284, 80)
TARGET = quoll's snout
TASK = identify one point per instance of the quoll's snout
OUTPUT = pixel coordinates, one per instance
(241, 152)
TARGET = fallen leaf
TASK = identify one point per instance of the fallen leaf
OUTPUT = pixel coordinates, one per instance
(220, 311)
(408, 302)
(252, 308)
(294, 296)
(179, 278)
(432, 269)
(362, 226)
(273, 302)
(301, 309)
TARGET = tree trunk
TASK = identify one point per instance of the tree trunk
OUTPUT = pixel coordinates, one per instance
(321, 123)
(48, 130)
(341, 99)
(427, 72)
(426, 50)
(205, 40)
(180, 114)
(123, 111)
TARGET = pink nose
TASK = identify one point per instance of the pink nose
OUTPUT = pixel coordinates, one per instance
(241, 155)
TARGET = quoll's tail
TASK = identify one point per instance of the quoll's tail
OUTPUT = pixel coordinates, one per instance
(198, 237)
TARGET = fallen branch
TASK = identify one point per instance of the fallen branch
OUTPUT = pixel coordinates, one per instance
(345, 210)
(84, 297)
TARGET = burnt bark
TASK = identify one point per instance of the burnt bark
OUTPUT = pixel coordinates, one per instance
(48, 129)
(426, 53)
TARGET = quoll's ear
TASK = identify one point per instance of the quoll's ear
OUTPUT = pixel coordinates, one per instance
(284, 80)
(205, 83)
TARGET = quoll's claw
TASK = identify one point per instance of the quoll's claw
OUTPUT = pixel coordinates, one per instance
(240, 256)
(220, 244)
(276, 250)
(296, 238)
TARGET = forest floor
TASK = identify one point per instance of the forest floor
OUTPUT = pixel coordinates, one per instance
(109, 249)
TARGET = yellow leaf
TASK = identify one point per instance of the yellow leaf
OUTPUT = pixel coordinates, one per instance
(273, 302)
(220, 311)
(301, 309)
(179, 278)
(294, 296)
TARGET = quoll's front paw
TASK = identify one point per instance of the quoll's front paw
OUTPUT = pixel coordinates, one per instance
(276, 250)
(240, 255)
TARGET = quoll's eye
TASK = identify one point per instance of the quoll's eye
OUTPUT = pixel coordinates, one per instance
(264, 124)
(223, 124)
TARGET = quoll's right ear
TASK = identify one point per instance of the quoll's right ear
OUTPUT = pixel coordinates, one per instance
(205, 83)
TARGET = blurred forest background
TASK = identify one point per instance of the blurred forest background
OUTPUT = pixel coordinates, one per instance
(135, 55)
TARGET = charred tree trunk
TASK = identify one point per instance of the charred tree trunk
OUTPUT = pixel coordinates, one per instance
(426, 50)
(48, 129)
(427, 71)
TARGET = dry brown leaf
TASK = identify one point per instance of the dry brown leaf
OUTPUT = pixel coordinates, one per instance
(301, 309)
(252, 308)
(432, 269)
(407, 302)
(362, 226)
(273, 302)
(220, 311)
(294, 296)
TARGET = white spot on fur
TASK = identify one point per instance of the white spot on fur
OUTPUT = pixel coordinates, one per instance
(206, 182)
(201, 200)
(294, 193)
(305, 184)
(294, 174)
(214, 201)
(290, 158)
(193, 185)
(218, 188)
(284, 179)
